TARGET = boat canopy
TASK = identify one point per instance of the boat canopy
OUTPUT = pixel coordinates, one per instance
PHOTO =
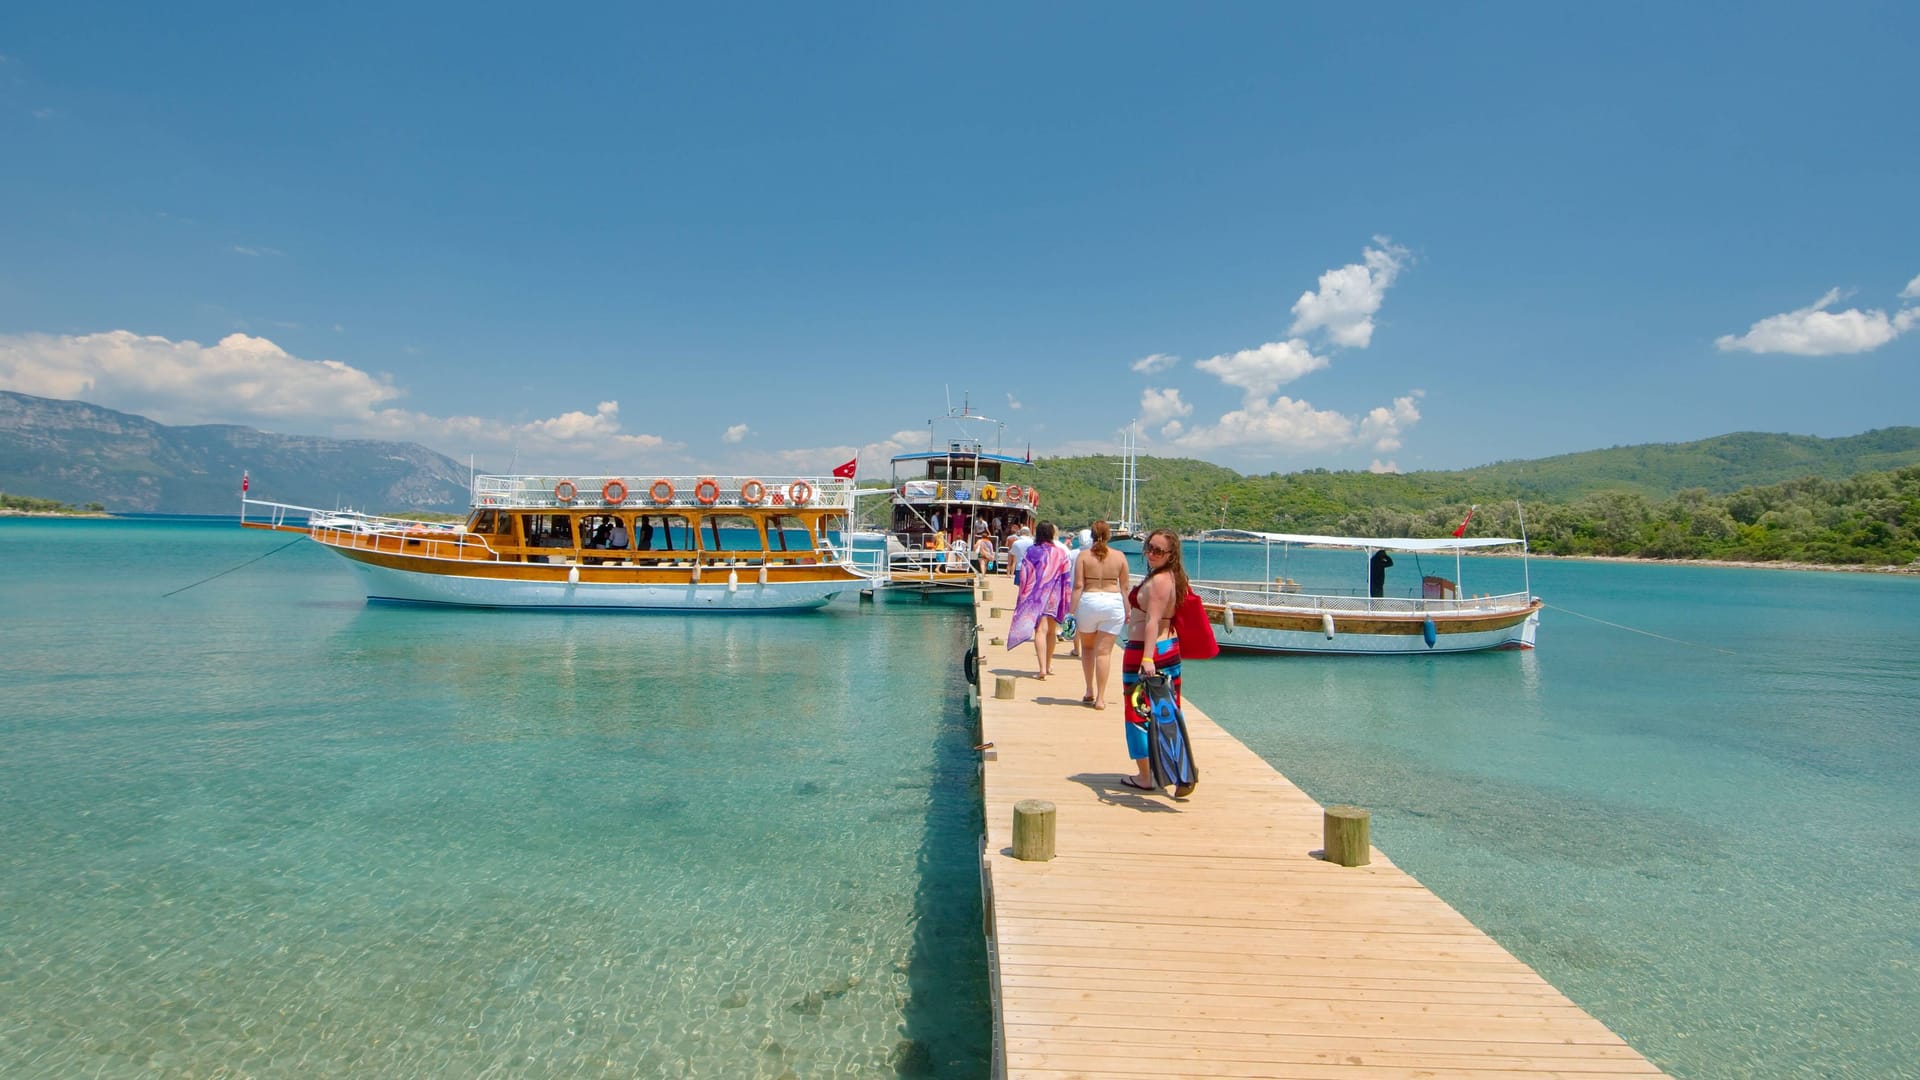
(1387, 543)
(936, 455)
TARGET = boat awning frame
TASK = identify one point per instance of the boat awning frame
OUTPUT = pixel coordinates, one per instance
(1386, 543)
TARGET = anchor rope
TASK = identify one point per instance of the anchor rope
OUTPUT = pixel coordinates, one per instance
(1636, 630)
(231, 569)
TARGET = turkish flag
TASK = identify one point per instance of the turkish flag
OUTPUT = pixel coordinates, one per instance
(845, 472)
(1462, 530)
(243, 481)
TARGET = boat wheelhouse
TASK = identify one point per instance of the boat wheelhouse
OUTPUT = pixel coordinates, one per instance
(670, 543)
(1279, 615)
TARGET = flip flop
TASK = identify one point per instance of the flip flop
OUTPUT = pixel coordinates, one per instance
(1137, 785)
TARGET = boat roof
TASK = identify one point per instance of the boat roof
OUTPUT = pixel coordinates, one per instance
(935, 455)
(1389, 543)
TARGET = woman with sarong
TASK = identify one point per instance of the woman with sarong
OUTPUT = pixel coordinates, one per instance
(1152, 646)
(1046, 586)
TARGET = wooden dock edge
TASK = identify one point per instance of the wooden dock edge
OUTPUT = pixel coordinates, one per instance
(1206, 937)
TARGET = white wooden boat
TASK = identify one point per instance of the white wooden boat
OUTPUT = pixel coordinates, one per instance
(1281, 615)
(940, 499)
(669, 543)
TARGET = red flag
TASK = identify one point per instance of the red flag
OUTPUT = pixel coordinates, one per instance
(243, 481)
(845, 472)
(1462, 530)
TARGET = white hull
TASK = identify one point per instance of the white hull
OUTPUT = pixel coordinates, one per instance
(1411, 640)
(714, 594)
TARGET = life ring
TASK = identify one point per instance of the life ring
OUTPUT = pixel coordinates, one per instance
(661, 491)
(988, 493)
(753, 492)
(800, 493)
(1033, 497)
(613, 492)
(565, 491)
(1013, 493)
(706, 491)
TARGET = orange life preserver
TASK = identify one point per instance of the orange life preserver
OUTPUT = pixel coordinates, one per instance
(1013, 493)
(706, 492)
(655, 493)
(752, 492)
(800, 493)
(565, 491)
(1033, 498)
(613, 491)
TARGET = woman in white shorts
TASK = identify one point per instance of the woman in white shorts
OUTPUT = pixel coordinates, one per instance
(1099, 610)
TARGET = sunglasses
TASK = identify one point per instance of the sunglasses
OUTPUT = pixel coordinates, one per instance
(1151, 550)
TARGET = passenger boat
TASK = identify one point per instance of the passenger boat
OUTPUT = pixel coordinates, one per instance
(1279, 615)
(947, 496)
(671, 543)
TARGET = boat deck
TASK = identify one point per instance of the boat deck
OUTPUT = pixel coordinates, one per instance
(1203, 938)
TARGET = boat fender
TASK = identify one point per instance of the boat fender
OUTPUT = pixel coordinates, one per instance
(706, 491)
(613, 492)
(565, 491)
(1227, 619)
(800, 493)
(733, 581)
(1427, 631)
(573, 575)
(696, 573)
(970, 664)
(753, 492)
(1326, 623)
(763, 575)
(661, 490)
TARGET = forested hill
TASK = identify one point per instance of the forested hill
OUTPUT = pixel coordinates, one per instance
(76, 453)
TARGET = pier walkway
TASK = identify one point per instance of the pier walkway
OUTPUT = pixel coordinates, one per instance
(1202, 938)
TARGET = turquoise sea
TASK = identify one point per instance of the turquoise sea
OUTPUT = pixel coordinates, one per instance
(261, 828)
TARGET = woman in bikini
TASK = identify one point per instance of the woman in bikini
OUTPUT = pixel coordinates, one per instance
(1151, 644)
(1099, 612)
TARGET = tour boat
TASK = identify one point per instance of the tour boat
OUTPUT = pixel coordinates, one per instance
(1279, 615)
(944, 499)
(670, 543)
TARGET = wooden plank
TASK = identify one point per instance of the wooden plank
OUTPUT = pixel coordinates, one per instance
(1202, 937)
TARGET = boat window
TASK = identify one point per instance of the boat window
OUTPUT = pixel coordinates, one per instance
(547, 530)
(830, 524)
(936, 470)
(604, 531)
(663, 532)
(788, 533)
(729, 532)
(488, 522)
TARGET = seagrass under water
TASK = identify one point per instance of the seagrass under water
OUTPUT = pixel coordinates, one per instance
(261, 828)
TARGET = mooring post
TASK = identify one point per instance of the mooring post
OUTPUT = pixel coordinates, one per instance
(1003, 686)
(1346, 836)
(995, 612)
(1033, 830)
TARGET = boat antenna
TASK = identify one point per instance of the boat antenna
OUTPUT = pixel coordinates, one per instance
(1526, 567)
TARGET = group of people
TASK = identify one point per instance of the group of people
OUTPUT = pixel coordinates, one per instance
(1092, 585)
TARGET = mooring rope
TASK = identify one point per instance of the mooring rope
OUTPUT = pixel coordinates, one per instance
(1636, 630)
(231, 569)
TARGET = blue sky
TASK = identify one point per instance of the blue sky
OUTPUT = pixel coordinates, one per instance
(763, 238)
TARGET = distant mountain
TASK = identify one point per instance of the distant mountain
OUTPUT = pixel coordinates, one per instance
(79, 453)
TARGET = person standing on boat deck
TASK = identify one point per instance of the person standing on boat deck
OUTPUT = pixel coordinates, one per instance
(1377, 573)
(1046, 587)
(1099, 613)
(1017, 551)
(1152, 646)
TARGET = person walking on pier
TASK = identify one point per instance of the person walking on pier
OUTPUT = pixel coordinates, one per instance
(1046, 587)
(1152, 645)
(1099, 611)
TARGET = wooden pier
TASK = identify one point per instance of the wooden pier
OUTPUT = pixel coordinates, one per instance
(1206, 938)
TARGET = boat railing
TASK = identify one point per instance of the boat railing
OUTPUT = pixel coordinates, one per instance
(372, 532)
(747, 493)
(1285, 596)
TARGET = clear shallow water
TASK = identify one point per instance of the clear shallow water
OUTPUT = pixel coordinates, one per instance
(262, 828)
(1715, 852)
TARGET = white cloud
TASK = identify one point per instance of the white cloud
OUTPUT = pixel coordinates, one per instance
(1815, 331)
(1382, 426)
(1159, 406)
(1347, 299)
(252, 381)
(1012, 403)
(1379, 467)
(1287, 424)
(1155, 364)
(735, 433)
(1259, 372)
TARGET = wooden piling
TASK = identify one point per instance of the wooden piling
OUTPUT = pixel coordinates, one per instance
(1003, 686)
(1033, 830)
(1347, 843)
